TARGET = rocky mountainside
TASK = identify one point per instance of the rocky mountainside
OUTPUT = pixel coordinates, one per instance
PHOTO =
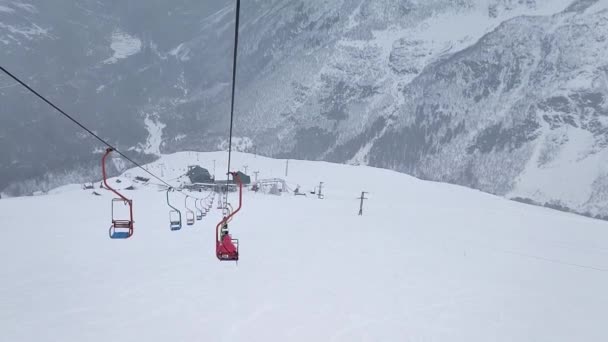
(110, 64)
(507, 96)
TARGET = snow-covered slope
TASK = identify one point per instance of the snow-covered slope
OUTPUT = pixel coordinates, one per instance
(427, 262)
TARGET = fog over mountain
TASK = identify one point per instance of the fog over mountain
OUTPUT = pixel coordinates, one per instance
(506, 96)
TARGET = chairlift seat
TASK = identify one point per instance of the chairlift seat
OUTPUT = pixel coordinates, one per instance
(120, 235)
(176, 225)
(190, 219)
(121, 229)
(228, 249)
(122, 224)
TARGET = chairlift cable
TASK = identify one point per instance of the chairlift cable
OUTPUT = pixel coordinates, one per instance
(226, 247)
(71, 118)
(234, 61)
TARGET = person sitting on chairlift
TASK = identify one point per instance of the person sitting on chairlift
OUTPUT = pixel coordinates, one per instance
(224, 231)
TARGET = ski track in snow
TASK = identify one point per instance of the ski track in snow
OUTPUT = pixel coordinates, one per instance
(427, 261)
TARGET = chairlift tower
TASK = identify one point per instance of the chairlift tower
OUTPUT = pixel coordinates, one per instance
(362, 198)
(320, 193)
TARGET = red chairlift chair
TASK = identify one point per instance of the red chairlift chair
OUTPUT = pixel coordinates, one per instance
(227, 248)
(121, 228)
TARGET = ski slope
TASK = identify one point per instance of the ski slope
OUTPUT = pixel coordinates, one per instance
(427, 262)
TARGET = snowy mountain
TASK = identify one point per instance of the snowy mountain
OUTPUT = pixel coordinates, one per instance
(108, 63)
(500, 95)
(426, 262)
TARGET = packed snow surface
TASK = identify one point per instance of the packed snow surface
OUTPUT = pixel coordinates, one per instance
(426, 262)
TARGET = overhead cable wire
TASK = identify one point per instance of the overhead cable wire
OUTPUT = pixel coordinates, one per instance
(234, 64)
(234, 61)
(79, 124)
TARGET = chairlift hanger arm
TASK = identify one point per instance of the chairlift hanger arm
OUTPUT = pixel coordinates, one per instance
(186, 202)
(229, 217)
(168, 202)
(237, 178)
(105, 175)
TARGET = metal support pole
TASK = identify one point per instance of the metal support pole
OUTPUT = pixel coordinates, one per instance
(362, 198)
(287, 167)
